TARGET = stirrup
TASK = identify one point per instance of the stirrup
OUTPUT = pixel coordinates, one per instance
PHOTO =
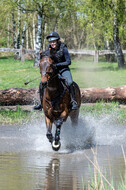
(74, 105)
(38, 107)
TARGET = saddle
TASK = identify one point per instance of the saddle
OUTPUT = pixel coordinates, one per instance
(63, 82)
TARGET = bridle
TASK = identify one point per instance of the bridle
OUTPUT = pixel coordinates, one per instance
(45, 84)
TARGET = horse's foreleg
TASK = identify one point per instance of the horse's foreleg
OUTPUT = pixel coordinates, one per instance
(49, 129)
(56, 142)
(58, 128)
(58, 124)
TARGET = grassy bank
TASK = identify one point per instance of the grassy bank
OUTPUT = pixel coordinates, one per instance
(18, 116)
(102, 74)
(97, 111)
(99, 178)
(101, 110)
(13, 73)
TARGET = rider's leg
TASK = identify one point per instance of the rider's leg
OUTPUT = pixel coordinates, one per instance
(73, 97)
(67, 75)
(39, 106)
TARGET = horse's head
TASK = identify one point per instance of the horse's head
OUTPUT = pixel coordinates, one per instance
(46, 69)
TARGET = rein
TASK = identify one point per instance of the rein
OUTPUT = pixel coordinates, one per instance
(45, 84)
(51, 78)
(58, 95)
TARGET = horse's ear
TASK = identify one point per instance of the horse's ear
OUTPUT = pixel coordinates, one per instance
(43, 54)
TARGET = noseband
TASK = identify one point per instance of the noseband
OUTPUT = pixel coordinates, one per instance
(45, 84)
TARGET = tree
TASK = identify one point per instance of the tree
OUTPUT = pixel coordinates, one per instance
(90, 24)
(105, 18)
(118, 14)
(43, 9)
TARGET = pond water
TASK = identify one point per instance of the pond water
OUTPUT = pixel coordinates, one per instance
(27, 160)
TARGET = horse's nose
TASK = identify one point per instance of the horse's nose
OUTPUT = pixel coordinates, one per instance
(44, 84)
(44, 78)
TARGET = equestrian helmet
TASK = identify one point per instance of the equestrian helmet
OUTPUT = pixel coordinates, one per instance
(53, 36)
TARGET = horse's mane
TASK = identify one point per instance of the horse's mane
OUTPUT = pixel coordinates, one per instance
(48, 54)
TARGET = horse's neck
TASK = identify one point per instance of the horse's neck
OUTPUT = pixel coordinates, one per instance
(53, 88)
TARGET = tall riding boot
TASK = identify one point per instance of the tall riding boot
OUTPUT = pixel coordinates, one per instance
(74, 105)
(39, 106)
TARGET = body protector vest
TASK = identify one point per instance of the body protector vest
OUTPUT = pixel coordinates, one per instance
(57, 55)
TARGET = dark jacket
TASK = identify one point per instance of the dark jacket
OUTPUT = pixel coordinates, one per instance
(60, 56)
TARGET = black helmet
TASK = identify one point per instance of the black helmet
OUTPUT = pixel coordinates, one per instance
(53, 36)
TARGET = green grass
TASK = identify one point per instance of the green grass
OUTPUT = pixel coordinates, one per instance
(97, 111)
(99, 181)
(13, 117)
(102, 109)
(14, 73)
(9, 117)
(103, 74)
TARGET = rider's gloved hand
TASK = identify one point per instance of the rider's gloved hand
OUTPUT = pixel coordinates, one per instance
(54, 66)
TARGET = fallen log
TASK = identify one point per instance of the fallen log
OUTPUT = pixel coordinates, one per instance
(92, 95)
(20, 96)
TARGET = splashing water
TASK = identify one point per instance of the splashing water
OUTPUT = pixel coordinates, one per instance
(87, 133)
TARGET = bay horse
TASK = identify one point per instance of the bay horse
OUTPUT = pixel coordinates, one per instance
(56, 100)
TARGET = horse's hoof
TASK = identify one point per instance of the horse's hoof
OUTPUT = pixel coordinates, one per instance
(56, 145)
(50, 137)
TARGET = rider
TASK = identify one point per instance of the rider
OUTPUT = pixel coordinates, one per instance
(62, 61)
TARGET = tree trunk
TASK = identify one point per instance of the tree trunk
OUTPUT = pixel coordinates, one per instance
(38, 40)
(27, 46)
(81, 37)
(14, 96)
(44, 37)
(8, 35)
(18, 40)
(118, 50)
(92, 30)
(92, 95)
(110, 57)
(14, 33)
(23, 35)
(33, 25)
(19, 34)
(55, 28)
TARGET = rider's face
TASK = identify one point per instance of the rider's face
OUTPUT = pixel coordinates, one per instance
(53, 44)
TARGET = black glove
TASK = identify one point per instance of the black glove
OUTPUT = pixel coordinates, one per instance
(54, 66)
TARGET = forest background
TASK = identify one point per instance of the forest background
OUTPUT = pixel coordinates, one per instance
(82, 24)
